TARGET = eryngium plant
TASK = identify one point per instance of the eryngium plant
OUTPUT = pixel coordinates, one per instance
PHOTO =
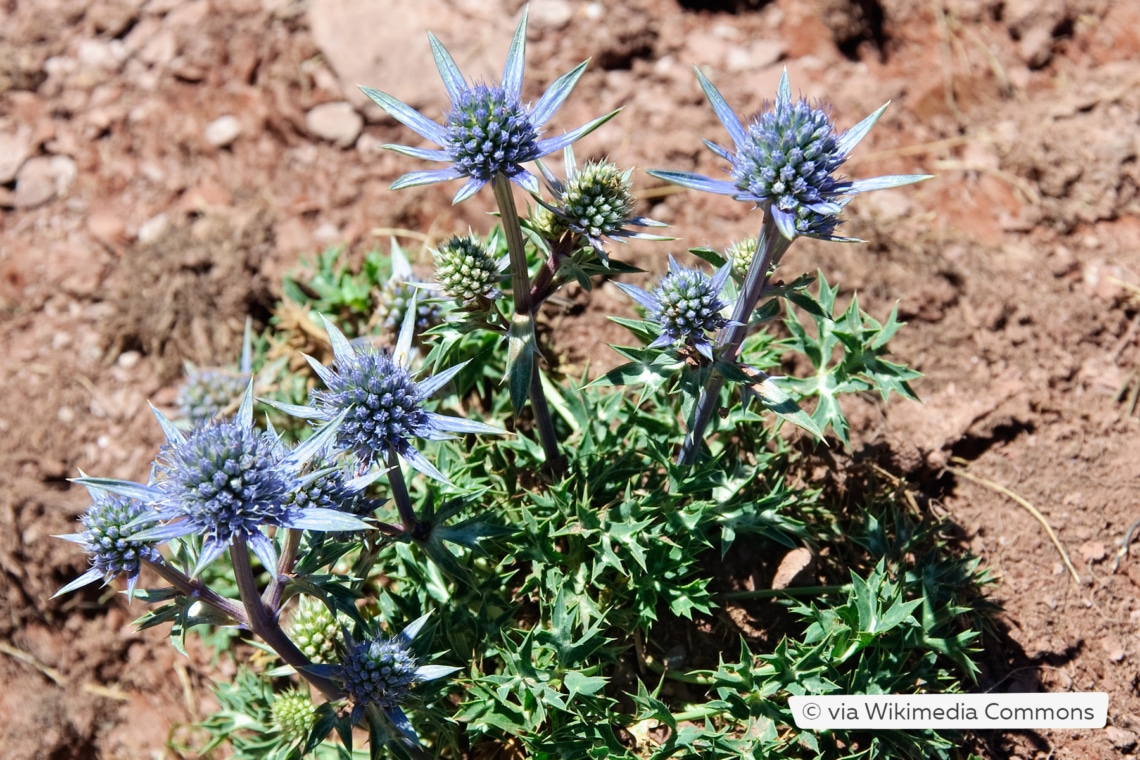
(569, 578)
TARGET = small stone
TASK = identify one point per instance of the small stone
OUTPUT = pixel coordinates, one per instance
(552, 15)
(795, 568)
(757, 55)
(107, 228)
(336, 122)
(42, 178)
(1093, 551)
(160, 49)
(1103, 280)
(100, 54)
(1120, 738)
(1036, 46)
(153, 229)
(129, 359)
(14, 150)
(221, 132)
(1113, 648)
(326, 234)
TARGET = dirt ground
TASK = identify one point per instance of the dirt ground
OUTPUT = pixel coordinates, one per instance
(163, 163)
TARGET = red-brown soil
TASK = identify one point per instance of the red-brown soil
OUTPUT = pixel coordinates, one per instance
(137, 233)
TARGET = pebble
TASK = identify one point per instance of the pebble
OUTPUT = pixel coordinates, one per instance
(42, 178)
(757, 55)
(221, 132)
(1093, 551)
(100, 54)
(336, 122)
(14, 150)
(107, 227)
(1036, 46)
(552, 15)
(795, 568)
(153, 229)
(1120, 738)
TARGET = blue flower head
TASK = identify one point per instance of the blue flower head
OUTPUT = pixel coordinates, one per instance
(379, 672)
(107, 540)
(403, 290)
(595, 202)
(687, 304)
(786, 160)
(381, 404)
(225, 479)
(489, 130)
(211, 391)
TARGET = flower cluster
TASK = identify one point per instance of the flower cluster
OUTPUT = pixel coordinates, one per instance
(687, 304)
(740, 255)
(315, 631)
(107, 539)
(294, 714)
(223, 480)
(209, 392)
(466, 270)
(398, 296)
(379, 672)
(595, 202)
(381, 406)
(785, 161)
(488, 131)
(224, 484)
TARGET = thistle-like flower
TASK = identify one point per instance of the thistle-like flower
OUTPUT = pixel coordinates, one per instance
(395, 299)
(687, 304)
(403, 291)
(294, 714)
(382, 406)
(378, 672)
(107, 539)
(785, 159)
(466, 270)
(224, 480)
(740, 255)
(489, 130)
(315, 631)
(328, 485)
(211, 391)
(595, 202)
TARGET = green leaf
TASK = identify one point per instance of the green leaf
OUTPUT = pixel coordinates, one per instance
(520, 359)
(577, 683)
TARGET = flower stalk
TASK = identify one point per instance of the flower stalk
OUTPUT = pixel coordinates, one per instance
(523, 322)
(263, 623)
(769, 249)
